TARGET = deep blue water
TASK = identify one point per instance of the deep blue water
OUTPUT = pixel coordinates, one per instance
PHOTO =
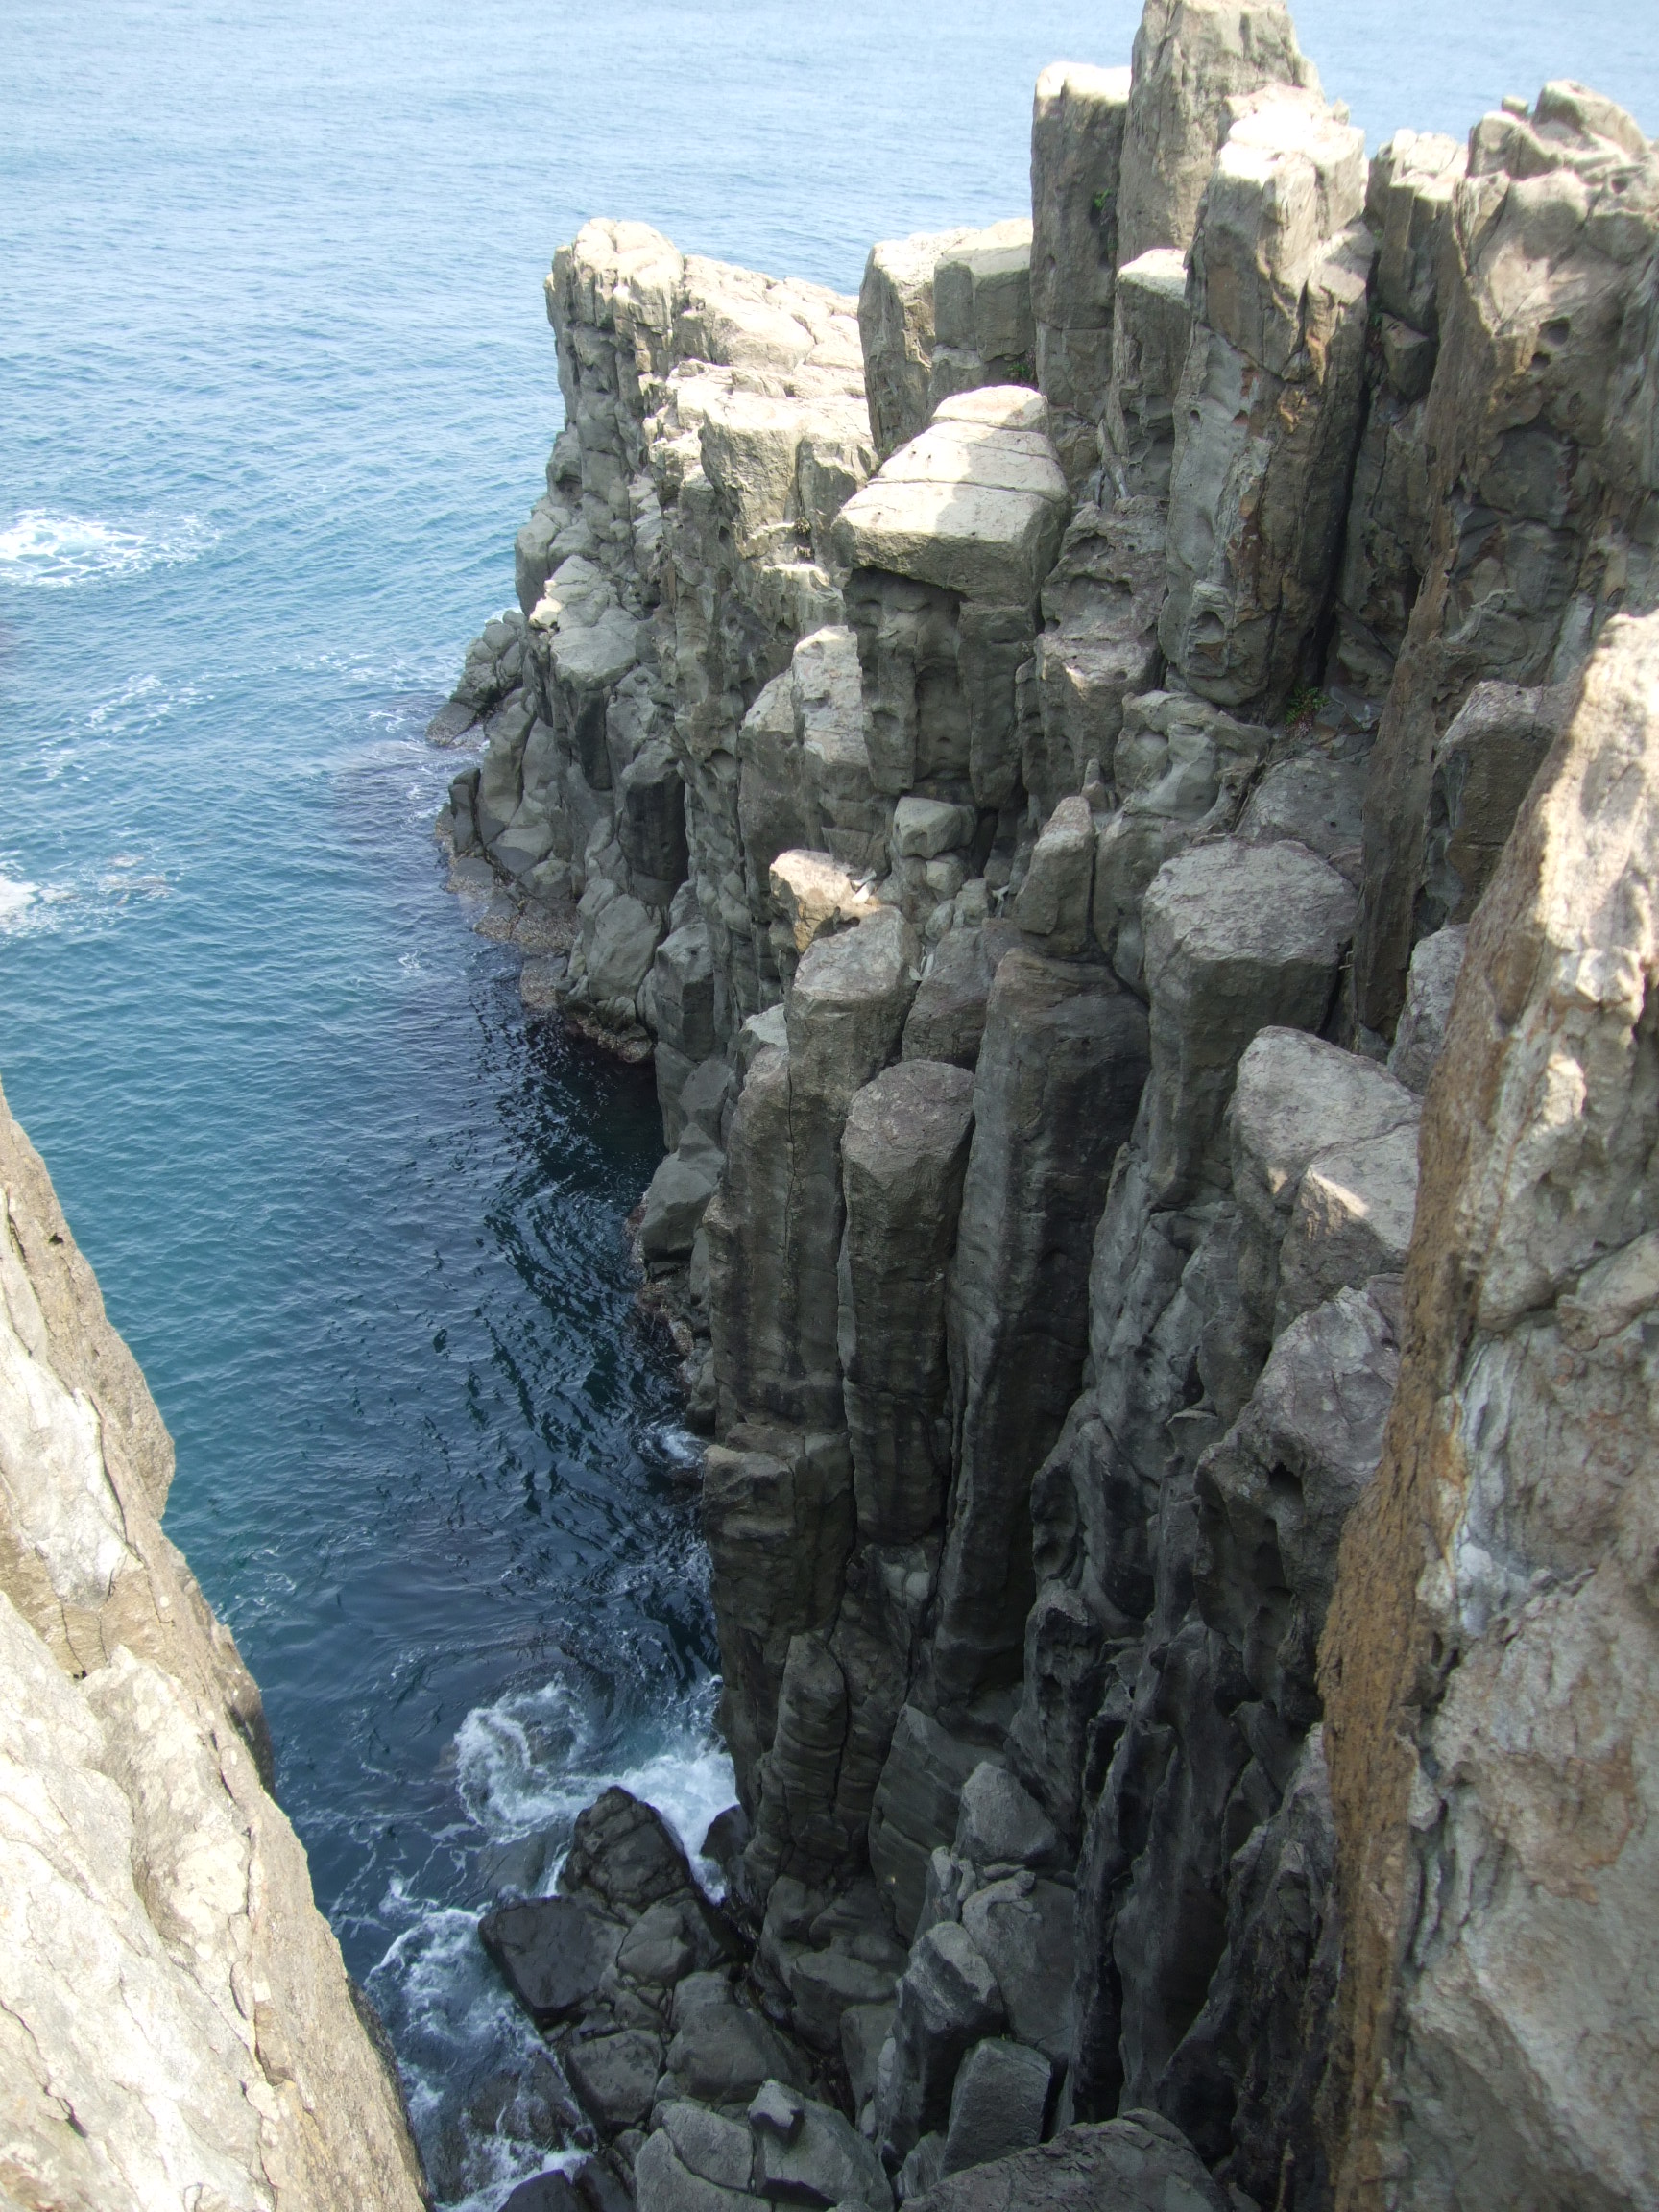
(276, 388)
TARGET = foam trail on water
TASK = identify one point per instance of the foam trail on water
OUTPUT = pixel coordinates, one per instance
(56, 551)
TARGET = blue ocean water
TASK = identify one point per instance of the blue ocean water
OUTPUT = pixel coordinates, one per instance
(275, 387)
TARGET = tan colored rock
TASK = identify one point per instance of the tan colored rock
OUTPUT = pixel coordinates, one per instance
(817, 895)
(1491, 1665)
(178, 2022)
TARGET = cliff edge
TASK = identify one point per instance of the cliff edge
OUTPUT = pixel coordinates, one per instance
(176, 2027)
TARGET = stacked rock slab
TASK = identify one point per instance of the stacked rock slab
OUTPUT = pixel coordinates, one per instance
(1043, 1023)
(180, 2027)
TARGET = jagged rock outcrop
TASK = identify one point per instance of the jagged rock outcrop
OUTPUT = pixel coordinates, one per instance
(1491, 1664)
(1098, 764)
(179, 2026)
(1540, 422)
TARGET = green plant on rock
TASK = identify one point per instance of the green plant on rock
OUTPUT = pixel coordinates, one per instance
(1303, 708)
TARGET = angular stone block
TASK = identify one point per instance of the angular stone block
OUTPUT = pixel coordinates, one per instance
(1238, 937)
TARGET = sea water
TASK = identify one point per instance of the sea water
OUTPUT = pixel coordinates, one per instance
(276, 388)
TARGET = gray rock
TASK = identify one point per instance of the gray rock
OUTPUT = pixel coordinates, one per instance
(623, 1852)
(947, 1019)
(903, 1154)
(777, 2110)
(677, 1196)
(1258, 2048)
(973, 505)
(1275, 1492)
(864, 2028)
(1238, 936)
(1150, 333)
(553, 1951)
(651, 818)
(916, 1809)
(659, 1948)
(1436, 962)
(1055, 1094)
(897, 332)
(1137, 2163)
(1052, 904)
(451, 722)
(543, 2193)
(1098, 647)
(924, 828)
(921, 2168)
(616, 2075)
(1024, 1930)
(1484, 768)
(775, 1233)
(821, 2160)
(715, 2149)
(695, 1992)
(1181, 768)
(663, 2183)
(1295, 1098)
(998, 1824)
(723, 2053)
(1408, 205)
(998, 2104)
(682, 980)
(1351, 1219)
(778, 1525)
(1313, 802)
(619, 941)
(947, 2000)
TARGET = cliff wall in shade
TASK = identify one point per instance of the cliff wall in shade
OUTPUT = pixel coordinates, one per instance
(1028, 753)
(175, 2023)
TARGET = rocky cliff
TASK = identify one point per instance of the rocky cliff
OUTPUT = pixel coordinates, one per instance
(1161, 1137)
(177, 2027)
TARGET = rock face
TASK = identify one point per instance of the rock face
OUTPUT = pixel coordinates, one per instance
(180, 2025)
(1492, 1665)
(1040, 771)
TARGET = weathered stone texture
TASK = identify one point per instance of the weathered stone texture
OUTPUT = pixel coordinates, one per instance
(1539, 421)
(178, 2021)
(1491, 1663)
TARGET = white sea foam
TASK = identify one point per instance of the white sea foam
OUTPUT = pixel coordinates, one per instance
(530, 1761)
(15, 901)
(55, 551)
(455, 2029)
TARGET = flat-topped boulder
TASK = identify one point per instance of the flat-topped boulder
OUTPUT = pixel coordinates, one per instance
(976, 504)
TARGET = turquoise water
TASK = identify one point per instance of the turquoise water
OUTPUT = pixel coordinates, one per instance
(275, 391)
